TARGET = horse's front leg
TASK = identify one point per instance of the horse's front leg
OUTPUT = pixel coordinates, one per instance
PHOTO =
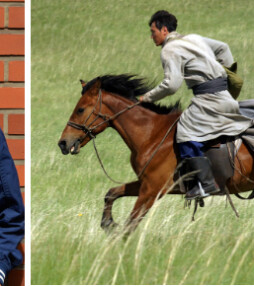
(144, 202)
(130, 189)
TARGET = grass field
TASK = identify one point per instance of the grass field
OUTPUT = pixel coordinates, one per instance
(84, 39)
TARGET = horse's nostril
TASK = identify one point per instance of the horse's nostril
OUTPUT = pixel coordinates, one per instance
(62, 144)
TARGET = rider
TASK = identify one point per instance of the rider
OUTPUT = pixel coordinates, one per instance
(213, 112)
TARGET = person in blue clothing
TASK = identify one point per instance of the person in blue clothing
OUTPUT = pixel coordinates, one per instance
(11, 212)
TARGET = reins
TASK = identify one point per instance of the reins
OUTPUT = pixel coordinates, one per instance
(147, 163)
(88, 130)
(158, 147)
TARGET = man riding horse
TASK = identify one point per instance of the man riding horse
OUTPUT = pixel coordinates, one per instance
(213, 111)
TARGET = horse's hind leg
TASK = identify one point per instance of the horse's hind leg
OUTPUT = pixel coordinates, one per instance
(130, 189)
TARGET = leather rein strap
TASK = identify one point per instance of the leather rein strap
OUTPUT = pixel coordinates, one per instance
(250, 197)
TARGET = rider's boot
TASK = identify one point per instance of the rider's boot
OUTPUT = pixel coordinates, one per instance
(204, 184)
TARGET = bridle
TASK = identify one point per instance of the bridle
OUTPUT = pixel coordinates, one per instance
(89, 130)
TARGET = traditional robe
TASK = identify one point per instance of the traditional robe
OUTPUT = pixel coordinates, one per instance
(196, 60)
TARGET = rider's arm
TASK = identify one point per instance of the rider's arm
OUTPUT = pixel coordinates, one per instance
(173, 78)
(221, 51)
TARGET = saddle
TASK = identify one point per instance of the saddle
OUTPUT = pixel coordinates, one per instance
(221, 153)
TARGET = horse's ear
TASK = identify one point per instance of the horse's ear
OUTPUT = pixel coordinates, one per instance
(96, 86)
(82, 83)
(98, 83)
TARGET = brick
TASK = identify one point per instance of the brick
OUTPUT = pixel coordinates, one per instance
(12, 97)
(12, 44)
(1, 71)
(16, 17)
(17, 148)
(16, 277)
(1, 17)
(17, 71)
(21, 174)
(16, 124)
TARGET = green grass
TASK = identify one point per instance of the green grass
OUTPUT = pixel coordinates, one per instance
(84, 39)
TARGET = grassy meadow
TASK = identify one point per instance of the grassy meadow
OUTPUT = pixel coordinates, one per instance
(87, 38)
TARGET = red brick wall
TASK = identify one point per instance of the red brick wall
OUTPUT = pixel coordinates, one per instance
(12, 96)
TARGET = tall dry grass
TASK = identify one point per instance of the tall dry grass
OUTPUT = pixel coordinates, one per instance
(84, 39)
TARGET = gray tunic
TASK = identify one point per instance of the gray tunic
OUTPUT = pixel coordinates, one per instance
(196, 59)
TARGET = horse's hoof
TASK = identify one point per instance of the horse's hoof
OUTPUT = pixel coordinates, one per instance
(108, 225)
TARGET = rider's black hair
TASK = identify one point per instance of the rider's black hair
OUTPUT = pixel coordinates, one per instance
(164, 18)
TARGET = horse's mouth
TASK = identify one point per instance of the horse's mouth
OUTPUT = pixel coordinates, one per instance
(75, 148)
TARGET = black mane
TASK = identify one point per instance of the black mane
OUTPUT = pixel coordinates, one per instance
(129, 86)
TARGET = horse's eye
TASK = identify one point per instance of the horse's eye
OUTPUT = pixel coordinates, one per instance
(80, 110)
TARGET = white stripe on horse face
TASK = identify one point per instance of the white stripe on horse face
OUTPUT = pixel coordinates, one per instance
(2, 273)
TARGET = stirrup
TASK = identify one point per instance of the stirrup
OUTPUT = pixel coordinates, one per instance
(202, 192)
(198, 193)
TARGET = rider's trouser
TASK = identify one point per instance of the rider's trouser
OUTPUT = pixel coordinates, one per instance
(11, 212)
(191, 149)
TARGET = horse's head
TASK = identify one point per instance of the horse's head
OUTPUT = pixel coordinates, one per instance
(86, 120)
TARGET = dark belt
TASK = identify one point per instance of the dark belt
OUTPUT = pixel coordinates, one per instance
(211, 86)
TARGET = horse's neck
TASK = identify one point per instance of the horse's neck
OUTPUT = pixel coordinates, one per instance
(137, 126)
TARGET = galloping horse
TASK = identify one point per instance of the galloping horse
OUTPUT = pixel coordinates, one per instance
(149, 132)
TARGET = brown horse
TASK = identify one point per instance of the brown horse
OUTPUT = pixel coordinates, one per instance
(149, 132)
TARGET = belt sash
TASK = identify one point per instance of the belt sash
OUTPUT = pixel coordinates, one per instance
(211, 86)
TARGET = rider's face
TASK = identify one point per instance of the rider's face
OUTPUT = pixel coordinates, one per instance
(157, 35)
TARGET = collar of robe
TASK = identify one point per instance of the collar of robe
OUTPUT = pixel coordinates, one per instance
(170, 37)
